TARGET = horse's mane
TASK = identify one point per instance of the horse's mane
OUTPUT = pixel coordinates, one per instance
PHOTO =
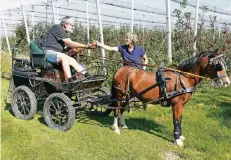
(189, 64)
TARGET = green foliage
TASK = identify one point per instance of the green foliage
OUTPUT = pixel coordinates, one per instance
(153, 40)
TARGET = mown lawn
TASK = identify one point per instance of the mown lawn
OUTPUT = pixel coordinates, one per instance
(206, 126)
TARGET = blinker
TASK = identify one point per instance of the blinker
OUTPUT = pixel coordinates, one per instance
(218, 67)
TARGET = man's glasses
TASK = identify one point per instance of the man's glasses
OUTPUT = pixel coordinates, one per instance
(71, 24)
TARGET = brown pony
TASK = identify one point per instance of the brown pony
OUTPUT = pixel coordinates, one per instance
(168, 86)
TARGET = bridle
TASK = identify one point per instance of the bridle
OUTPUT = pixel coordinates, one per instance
(219, 67)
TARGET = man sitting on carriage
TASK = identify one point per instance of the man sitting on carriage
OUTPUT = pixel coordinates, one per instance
(132, 54)
(54, 44)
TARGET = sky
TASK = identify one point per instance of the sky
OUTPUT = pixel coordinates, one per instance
(117, 14)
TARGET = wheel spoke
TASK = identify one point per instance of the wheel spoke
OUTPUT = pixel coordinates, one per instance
(20, 97)
(27, 106)
(63, 119)
(23, 96)
(59, 122)
(27, 99)
(59, 104)
(64, 116)
(51, 109)
(55, 120)
(64, 110)
(20, 108)
(24, 111)
(54, 106)
(18, 100)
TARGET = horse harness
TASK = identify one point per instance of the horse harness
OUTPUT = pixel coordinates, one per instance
(161, 80)
(218, 66)
(127, 85)
(165, 96)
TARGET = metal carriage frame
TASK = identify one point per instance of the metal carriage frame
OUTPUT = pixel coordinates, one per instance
(36, 80)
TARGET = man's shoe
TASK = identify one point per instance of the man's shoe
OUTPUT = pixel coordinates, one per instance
(70, 80)
(87, 74)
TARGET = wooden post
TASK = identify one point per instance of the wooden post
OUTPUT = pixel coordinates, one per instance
(4, 27)
(143, 28)
(195, 28)
(88, 30)
(168, 19)
(132, 15)
(25, 21)
(57, 12)
(32, 21)
(100, 30)
(53, 10)
(219, 28)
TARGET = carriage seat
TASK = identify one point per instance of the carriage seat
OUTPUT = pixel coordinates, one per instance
(25, 74)
(38, 56)
(22, 68)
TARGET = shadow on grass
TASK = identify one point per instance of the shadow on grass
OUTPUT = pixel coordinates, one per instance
(88, 117)
(39, 111)
(9, 109)
(220, 101)
(142, 124)
(80, 116)
(223, 114)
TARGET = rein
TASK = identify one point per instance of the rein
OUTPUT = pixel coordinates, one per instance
(148, 65)
(187, 73)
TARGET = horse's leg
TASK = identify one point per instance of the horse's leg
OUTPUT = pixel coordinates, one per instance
(115, 125)
(114, 95)
(177, 120)
(122, 120)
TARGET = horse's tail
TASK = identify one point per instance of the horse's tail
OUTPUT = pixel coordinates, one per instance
(113, 91)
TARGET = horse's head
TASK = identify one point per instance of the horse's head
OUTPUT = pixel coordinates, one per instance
(214, 67)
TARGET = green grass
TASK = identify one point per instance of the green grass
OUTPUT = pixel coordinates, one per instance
(206, 126)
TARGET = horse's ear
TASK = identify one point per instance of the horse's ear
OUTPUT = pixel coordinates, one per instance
(216, 51)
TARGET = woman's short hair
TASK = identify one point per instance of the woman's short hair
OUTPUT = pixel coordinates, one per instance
(132, 36)
(67, 20)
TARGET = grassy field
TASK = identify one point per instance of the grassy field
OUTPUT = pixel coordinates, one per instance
(206, 126)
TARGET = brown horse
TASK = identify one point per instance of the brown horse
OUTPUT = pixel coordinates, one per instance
(172, 87)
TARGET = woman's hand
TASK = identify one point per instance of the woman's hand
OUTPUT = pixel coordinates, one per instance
(92, 45)
(99, 44)
(107, 47)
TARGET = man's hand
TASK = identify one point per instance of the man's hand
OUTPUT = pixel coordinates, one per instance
(98, 44)
(92, 45)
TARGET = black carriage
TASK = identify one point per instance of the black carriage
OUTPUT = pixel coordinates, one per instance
(36, 80)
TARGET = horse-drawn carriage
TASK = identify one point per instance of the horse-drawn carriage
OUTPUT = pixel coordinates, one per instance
(37, 80)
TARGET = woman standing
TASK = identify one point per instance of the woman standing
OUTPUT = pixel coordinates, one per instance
(131, 53)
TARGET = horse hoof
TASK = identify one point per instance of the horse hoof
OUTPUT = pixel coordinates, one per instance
(125, 127)
(113, 128)
(117, 130)
(182, 138)
(179, 142)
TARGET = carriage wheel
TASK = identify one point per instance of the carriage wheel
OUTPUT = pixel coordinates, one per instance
(24, 103)
(101, 93)
(59, 113)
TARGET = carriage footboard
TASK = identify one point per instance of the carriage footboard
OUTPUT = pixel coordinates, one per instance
(87, 83)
